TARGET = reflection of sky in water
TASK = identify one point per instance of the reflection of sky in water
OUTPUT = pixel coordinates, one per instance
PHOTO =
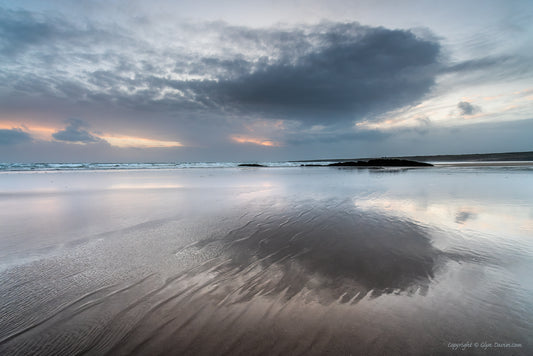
(492, 219)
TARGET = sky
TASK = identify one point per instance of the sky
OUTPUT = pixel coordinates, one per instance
(183, 81)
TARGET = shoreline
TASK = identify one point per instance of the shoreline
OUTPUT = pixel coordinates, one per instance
(270, 165)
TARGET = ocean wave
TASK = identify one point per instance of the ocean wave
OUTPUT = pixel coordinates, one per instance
(123, 166)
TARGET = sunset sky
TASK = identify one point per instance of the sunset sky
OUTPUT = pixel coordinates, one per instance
(126, 81)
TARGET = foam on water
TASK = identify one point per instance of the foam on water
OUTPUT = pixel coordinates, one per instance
(10, 167)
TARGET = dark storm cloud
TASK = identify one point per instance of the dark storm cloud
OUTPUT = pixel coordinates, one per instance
(329, 73)
(13, 136)
(74, 132)
(468, 109)
(353, 71)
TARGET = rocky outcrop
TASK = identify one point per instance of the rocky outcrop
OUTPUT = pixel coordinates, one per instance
(381, 162)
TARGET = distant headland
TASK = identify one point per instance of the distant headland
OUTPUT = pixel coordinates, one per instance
(471, 157)
(414, 161)
(251, 165)
(382, 162)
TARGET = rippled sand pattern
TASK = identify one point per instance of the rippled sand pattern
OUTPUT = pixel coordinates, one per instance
(294, 276)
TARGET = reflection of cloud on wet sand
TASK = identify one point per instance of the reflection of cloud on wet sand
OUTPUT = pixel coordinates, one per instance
(288, 281)
(301, 278)
(335, 253)
(462, 216)
(493, 219)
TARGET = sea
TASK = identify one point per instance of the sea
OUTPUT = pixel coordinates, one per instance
(218, 259)
(114, 166)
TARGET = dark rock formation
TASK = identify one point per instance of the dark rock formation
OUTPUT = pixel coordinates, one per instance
(250, 165)
(382, 162)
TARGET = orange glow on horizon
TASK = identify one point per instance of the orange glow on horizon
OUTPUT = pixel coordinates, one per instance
(39, 132)
(139, 142)
(255, 141)
(9, 126)
(44, 133)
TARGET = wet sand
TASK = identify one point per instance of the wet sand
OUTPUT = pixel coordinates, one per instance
(280, 261)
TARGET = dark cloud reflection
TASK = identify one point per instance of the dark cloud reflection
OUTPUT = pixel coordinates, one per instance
(468, 109)
(463, 216)
(335, 254)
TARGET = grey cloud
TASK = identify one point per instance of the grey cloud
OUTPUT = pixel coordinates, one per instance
(330, 73)
(353, 71)
(13, 136)
(74, 132)
(24, 29)
(478, 64)
(490, 69)
(20, 29)
(468, 109)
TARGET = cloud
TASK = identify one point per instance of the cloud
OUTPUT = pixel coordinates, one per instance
(20, 29)
(200, 84)
(328, 73)
(13, 136)
(23, 30)
(463, 216)
(468, 109)
(255, 141)
(489, 70)
(74, 132)
(478, 64)
(352, 71)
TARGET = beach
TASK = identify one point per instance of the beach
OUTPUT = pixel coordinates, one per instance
(265, 261)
